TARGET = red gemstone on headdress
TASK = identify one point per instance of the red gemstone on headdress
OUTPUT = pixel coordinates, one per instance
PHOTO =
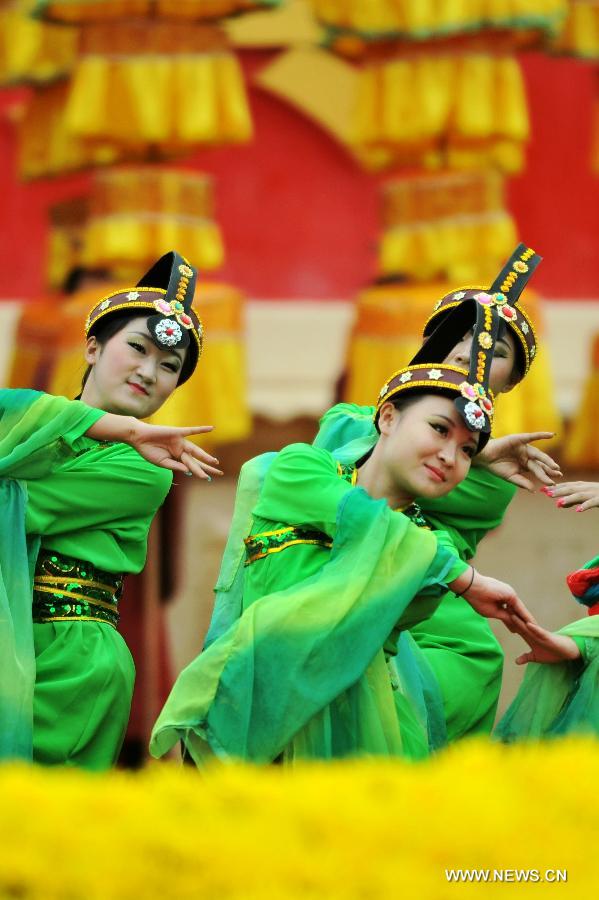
(170, 330)
(186, 319)
(508, 312)
(478, 412)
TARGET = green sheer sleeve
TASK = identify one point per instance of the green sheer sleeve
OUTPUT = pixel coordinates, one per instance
(303, 487)
(558, 699)
(343, 423)
(228, 591)
(36, 429)
(294, 652)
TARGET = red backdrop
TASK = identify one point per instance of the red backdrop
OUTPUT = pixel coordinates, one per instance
(300, 219)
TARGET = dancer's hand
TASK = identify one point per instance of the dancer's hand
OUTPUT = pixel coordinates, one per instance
(491, 598)
(582, 494)
(168, 447)
(545, 646)
(514, 459)
(159, 444)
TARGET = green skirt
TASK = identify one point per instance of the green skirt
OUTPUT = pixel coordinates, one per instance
(82, 696)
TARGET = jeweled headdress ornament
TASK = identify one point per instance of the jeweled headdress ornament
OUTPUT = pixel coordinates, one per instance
(167, 290)
(453, 314)
(469, 389)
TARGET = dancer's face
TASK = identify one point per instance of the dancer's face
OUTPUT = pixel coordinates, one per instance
(504, 374)
(129, 374)
(426, 448)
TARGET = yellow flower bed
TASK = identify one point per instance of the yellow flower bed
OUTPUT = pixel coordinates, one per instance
(350, 830)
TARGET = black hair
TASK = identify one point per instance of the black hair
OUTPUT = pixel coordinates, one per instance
(105, 330)
(520, 361)
(451, 328)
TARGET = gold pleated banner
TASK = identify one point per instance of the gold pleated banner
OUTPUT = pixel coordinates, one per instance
(33, 52)
(158, 84)
(138, 213)
(580, 34)
(419, 19)
(47, 148)
(582, 446)
(462, 111)
(451, 224)
(82, 11)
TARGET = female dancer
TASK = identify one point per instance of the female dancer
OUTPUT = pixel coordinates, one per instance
(337, 568)
(459, 646)
(78, 503)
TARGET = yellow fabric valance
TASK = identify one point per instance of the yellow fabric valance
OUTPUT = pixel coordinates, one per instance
(447, 224)
(33, 52)
(80, 11)
(419, 19)
(464, 111)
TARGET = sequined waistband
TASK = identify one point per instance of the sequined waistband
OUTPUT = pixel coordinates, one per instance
(260, 545)
(65, 588)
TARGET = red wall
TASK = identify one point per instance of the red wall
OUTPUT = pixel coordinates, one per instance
(300, 219)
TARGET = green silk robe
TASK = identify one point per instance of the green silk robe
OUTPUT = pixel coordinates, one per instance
(69, 681)
(457, 643)
(297, 662)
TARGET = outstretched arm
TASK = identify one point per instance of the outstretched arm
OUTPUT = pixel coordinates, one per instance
(159, 444)
(491, 598)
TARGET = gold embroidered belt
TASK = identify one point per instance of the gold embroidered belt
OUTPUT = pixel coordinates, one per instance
(257, 546)
(66, 589)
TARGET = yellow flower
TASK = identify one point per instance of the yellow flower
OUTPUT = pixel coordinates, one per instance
(335, 831)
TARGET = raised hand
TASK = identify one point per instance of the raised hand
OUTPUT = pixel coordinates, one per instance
(581, 494)
(514, 459)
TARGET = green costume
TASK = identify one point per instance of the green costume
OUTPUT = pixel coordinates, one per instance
(559, 698)
(297, 662)
(457, 643)
(562, 698)
(76, 514)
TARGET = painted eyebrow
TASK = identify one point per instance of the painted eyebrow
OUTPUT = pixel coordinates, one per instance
(148, 338)
(472, 441)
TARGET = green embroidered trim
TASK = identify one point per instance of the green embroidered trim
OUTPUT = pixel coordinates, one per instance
(66, 588)
(349, 473)
(97, 445)
(414, 513)
(257, 546)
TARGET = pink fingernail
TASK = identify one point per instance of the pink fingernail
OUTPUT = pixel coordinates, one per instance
(560, 502)
(546, 490)
(579, 509)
